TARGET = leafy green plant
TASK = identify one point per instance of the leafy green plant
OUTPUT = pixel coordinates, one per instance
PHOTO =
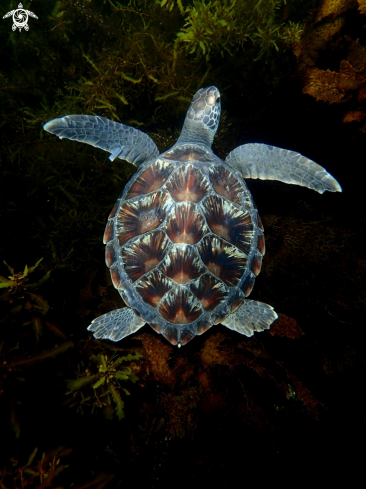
(225, 26)
(19, 293)
(35, 473)
(100, 388)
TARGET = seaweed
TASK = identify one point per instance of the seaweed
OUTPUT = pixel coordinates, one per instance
(35, 473)
(327, 39)
(19, 294)
(99, 389)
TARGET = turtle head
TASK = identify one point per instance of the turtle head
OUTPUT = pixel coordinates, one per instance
(202, 117)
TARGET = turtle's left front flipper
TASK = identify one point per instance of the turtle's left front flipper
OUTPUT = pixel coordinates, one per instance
(266, 162)
(251, 316)
(124, 142)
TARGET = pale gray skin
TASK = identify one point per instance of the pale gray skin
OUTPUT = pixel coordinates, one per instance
(251, 160)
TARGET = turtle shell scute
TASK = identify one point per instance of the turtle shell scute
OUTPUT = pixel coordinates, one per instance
(185, 224)
(137, 218)
(150, 179)
(144, 254)
(228, 222)
(180, 306)
(187, 184)
(182, 264)
(223, 260)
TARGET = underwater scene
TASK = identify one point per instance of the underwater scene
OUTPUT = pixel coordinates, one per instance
(182, 303)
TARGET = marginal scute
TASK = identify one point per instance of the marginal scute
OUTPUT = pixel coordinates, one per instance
(223, 260)
(236, 300)
(203, 326)
(144, 254)
(228, 222)
(225, 184)
(221, 317)
(182, 264)
(124, 297)
(256, 264)
(152, 287)
(259, 221)
(170, 334)
(156, 327)
(248, 284)
(110, 255)
(185, 224)
(261, 244)
(108, 233)
(185, 336)
(116, 278)
(209, 291)
(150, 179)
(179, 306)
(187, 184)
(136, 218)
(114, 210)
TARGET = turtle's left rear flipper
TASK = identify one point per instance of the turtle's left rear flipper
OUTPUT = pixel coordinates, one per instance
(266, 162)
(116, 324)
(124, 142)
(251, 316)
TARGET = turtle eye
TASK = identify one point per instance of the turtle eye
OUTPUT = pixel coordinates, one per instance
(217, 101)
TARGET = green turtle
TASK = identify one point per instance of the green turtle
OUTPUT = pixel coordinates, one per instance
(184, 242)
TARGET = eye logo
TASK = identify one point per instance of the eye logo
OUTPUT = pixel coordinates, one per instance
(20, 17)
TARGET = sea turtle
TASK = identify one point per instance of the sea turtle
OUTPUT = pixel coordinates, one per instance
(184, 242)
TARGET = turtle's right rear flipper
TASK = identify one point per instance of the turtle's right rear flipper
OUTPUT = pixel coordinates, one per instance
(124, 142)
(116, 324)
(251, 316)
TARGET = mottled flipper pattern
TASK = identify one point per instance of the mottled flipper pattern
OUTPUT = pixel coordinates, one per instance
(116, 324)
(124, 142)
(251, 316)
(266, 162)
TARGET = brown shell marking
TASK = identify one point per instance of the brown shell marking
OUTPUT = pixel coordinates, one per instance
(225, 184)
(110, 255)
(152, 287)
(182, 264)
(228, 222)
(114, 210)
(203, 327)
(179, 307)
(185, 225)
(144, 254)
(135, 218)
(259, 222)
(209, 291)
(223, 260)
(236, 301)
(248, 285)
(187, 184)
(261, 244)
(186, 154)
(150, 179)
(108, 233)
(256, 264)
(115, 276)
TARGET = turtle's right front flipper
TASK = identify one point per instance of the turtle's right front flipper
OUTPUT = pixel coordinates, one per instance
(124, 142)
(255, 160)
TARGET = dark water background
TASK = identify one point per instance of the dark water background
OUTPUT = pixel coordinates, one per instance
(285, 405)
